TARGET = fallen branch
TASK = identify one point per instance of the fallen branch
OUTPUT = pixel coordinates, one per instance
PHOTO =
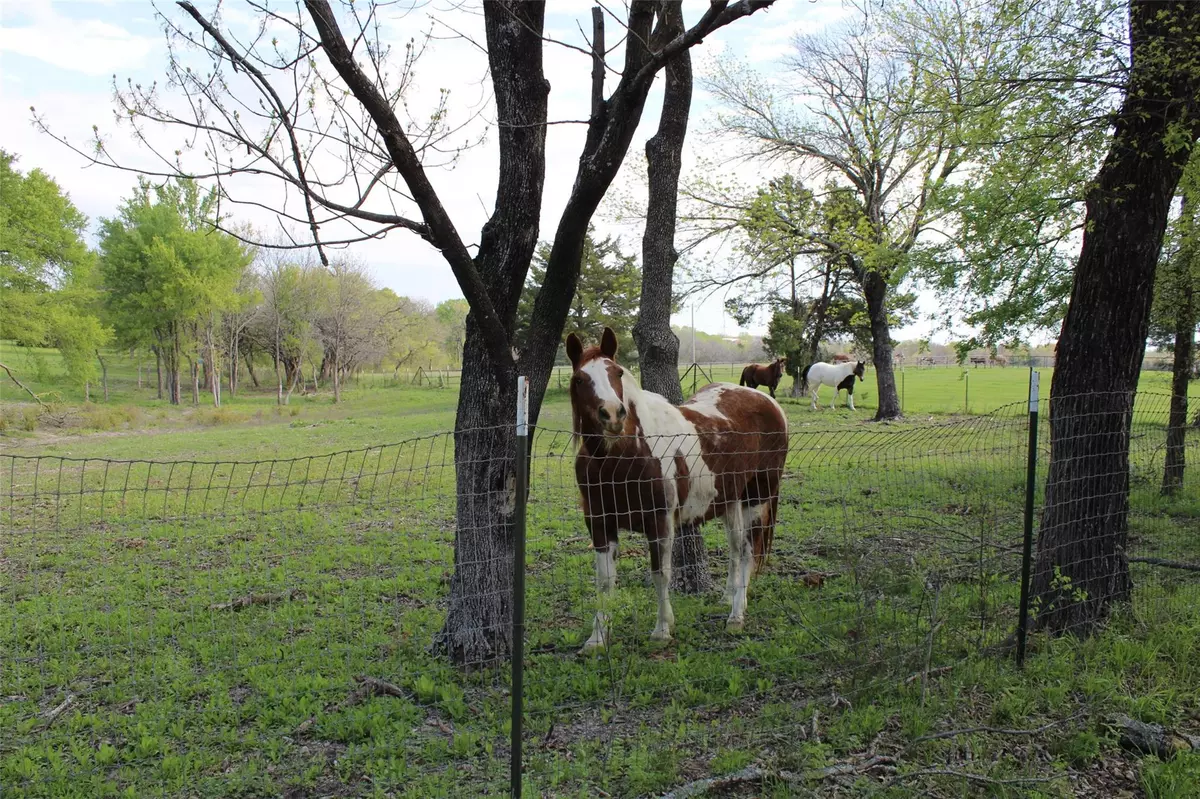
(966, 775)
(754, 774)
(940, 670)
(702, 787)
(1153, 739)
(992, 730)
(21, 385)
(1168, 564)
(367, 686)
(58, 711)
(854, 769)
(258, 599)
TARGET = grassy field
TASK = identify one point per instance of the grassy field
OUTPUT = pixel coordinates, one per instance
(868, 641)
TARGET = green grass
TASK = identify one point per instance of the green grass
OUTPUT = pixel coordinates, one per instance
(110, 580)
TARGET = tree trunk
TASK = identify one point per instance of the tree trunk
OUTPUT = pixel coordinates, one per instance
(250, 370)
(1181, 373)
(87, 391)
(174, 370)
(1183, 275)
(158, 371)
(139, 368)
(337, 379)
(478, 626)
(195, 368)
(657, 344)
(875, 291)
(278, 373)
(1081, 565)
(214, 373)
(104, 374)
(233, 366)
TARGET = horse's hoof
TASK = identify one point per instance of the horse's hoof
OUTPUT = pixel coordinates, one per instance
(660, 636)
(735, 627)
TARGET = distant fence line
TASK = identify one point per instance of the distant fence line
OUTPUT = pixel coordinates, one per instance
(899, 552)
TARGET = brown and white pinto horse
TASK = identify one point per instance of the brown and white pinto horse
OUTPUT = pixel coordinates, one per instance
(756, 375)
(647, 466)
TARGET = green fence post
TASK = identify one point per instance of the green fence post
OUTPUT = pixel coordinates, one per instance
(518, 611)
(1027, 548)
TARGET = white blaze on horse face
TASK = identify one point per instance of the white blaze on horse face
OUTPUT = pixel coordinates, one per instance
(606, 583)
(597, 371)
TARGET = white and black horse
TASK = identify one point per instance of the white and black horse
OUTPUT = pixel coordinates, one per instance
(839, 375)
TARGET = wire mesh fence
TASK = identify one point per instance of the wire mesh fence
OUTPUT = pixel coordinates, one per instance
(266, 627)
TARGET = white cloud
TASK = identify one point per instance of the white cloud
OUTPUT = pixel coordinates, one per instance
(88, 46)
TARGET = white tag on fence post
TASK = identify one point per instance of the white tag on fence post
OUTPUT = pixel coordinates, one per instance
(1034, 377)
(522, 407)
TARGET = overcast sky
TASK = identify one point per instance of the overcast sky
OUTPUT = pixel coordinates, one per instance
(61, 57)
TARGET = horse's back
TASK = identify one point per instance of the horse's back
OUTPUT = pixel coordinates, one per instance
(726, 408)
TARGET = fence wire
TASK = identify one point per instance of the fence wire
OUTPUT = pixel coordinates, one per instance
(265, 627)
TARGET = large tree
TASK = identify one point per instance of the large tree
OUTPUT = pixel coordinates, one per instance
(1081, 566)
(1175, 316)
(322, 88)
(166, 275)
(1009, 241)
(47, 273)
(877, 104)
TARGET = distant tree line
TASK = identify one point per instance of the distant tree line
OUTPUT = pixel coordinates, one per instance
(165, 284)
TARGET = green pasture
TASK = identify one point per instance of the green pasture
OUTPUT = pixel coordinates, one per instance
(871, 632)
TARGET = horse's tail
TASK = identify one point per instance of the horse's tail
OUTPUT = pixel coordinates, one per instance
(742, 382)
(762, 534)
(804, 379)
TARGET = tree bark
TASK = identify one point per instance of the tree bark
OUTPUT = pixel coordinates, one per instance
(657, 344)
(195, 369)
(158, 370)
(1181, 374)
(173, 371)
(104, 374)
(337, 377)
(210, 363)
(1081, 566)
(478, 626)
(875, 291)
(250, 370)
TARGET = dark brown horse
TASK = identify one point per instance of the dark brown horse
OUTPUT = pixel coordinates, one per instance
(756, 375)
(648, 466)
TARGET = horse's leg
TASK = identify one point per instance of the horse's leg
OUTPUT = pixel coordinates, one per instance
(815, 391)
(604, 542)
(850, 398)
(833, 404)
(741, 559)
(662, 541)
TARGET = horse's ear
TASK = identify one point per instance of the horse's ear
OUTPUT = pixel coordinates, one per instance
(608, 343)
(574, 349)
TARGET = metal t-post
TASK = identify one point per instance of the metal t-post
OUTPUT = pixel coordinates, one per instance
(1030, 487)
(518, 612)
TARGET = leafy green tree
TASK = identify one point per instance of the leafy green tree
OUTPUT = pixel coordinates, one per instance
(1012, 225)
(1082, 569)
(1175, 315)
(167, 274)
(607, 294)
(47, 274)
